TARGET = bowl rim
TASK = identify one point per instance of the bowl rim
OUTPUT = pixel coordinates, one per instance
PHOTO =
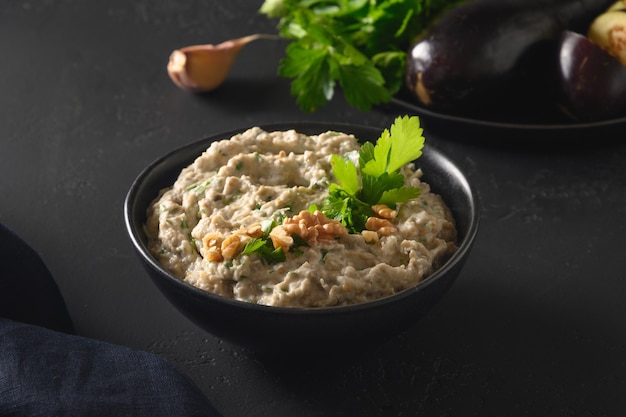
(133, 230)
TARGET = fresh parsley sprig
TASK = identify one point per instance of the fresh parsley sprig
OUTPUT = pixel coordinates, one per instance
(358, 45)
(378, 178)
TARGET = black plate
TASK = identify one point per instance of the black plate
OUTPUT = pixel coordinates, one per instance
(508, 131)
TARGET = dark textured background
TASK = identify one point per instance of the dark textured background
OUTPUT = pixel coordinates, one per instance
(535, 324)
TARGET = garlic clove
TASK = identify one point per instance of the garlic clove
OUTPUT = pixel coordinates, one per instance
(202, 68)
(609, 31)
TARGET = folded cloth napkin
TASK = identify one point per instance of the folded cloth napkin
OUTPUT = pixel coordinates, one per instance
(45, 371)
(28, 292)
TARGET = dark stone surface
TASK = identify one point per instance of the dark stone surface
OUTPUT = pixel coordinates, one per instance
(535, 324)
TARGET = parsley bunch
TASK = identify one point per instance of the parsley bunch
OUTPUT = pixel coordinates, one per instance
(378, 178)
(359, 44)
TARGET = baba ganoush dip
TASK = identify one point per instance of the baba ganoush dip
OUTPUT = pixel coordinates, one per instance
(228, 196)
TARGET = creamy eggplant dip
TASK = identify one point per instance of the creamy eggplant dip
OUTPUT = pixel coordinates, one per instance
(244, 221)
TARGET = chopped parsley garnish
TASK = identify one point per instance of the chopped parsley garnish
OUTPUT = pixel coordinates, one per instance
(199, 188)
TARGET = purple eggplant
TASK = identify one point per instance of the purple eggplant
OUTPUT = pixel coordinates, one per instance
(593, 82)
(484, 53)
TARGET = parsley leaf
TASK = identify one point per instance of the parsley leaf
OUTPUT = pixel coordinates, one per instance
(254, 245)
(363, 85)
(346, 173)
(387, 158)
(265, 249)
(312, 84)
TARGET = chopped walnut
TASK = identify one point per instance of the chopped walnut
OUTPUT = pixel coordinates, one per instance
(369, 236)
(382, 227)
(218, 248)
(255, 230)
(280, 238)
(312, 227)
(212, 247)
(231, 246)
(384, 212)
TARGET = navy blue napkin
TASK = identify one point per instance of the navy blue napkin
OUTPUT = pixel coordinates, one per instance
(28, 293)
(46, 371)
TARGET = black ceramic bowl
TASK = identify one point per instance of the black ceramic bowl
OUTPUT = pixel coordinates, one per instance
(279, 329)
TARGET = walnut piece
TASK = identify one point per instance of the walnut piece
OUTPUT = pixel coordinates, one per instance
(312, 227)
